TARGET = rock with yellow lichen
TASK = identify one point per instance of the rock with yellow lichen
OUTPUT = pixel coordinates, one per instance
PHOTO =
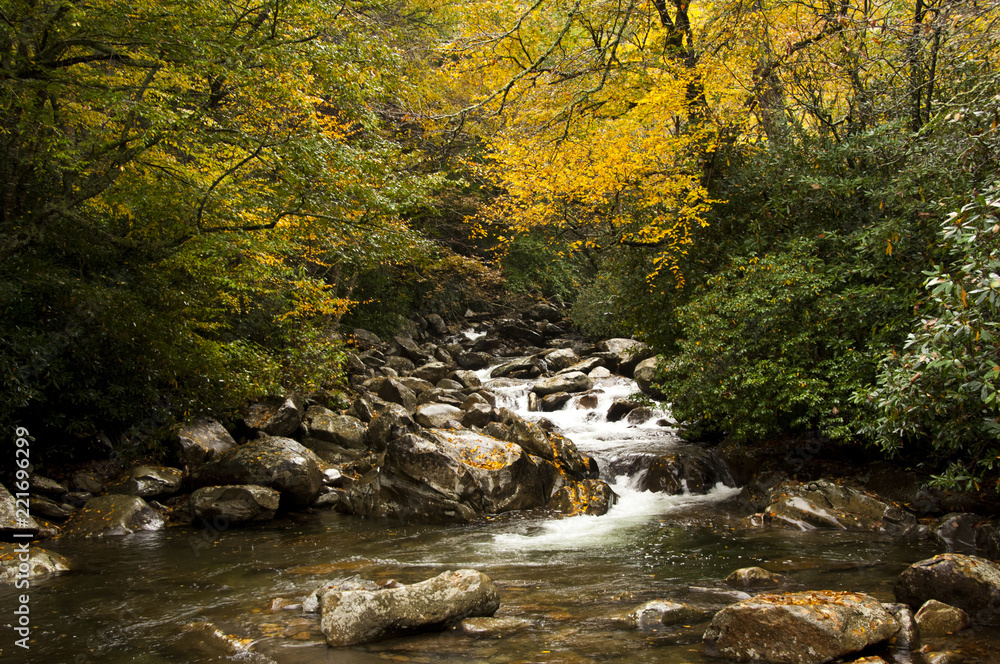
(39, 562)
(799, 628)
(970, 583)
(113, 515)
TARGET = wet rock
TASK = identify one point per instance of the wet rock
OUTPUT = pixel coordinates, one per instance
(553, 402)
(658, 613)
(799, 628)
(625, 354)
(418, 385)
(988, 539)
(477, 415)
(113, 515)
(939, 619)
(398, 365)
(574, 381)
(201, 440)
(967, 582)
(88, 481)
(389, 423)
(436, 324)
(755, 578)
(620, 408)
(531, 437)
(639, 415)
(438, 415)
(956, 532)
(450, 476)
(493, 628)
(519, 331)
(826, 504)
(275, 415)
(395, 392)
(240, 503)
(468, 379)
(281, 464)
(693, 470)
(525, 367)
(584, 366)
(13, 517)
(908, 637)
(645, 375)
(409, 349)
(39, 562)
(46, 507)
(449, 385)
(46, 486)
(148, 482)
(473, 360)
(592, 497)
(330, 427)
(361, 616)
(561, 358)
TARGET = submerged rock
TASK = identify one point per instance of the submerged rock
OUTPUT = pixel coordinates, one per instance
(659, 613)
(799, 628)
(113, 515)
(755, 578)
(361, 616)
(967, 582)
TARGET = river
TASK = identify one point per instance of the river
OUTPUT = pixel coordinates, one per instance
(135, 599)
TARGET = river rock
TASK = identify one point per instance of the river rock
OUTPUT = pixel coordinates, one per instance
(826, 504)
(361, 616)
(492, 627)
(939, 619)
(15, 517)
(330, 427)
(553, 402)
(525, 367)
(956, 531)
(275, 415)
(202, 439)
(693, 471)
(397, 365)
(88, 481)
(561, 358)
(968, 582)
(47, 508)
(47, 486)
(432, 372)
(387, 425)
(592, 497)
(394, 391)
(450, 476)
(574, 381)
(988, 539)
(474, 360)
(113, 515)
(477, 415)
(625, 354)
(39, 562)
(908, 636)
(658, 613)
(438, 415)
(799, 628)
(620, 408)
(239, 503)
(645, 376)
(755, 578)
(469, 379)
(281, 464)
(148, 482)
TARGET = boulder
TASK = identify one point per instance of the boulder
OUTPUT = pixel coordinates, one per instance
(395, 392)
(561, 358)
(755, 578)
(592, 497)
(398, 365)
(351, 617)
(645, 376)
(519, 331)
(49, 509)
(202, 439)
(387, 425)
(281, 464)
(39, 562)
(826, 504)
(491, 627)
(908, 637)
(409, 349)
(477, 415)
(988, 539)
(469, 379)
(658, 613)
(574, 381)
(14, 515)
(553, 402)
(437, 415)
(525, 367)
(473, 360)
(148, 482)
(46, 486)
(625, 354)
(799, 628)
(432, 372)
(620, 408)
(939, 619)
(956, 531)
(450, 476)
(113, 515)
(88, 481)
(239, 503)
(275, 415)
(364, 340)
(692, 470)
(436, 324)
(330, 427)
(967, 582)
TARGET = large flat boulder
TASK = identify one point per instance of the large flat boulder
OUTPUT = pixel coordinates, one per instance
(351, 617)
(234, 504)
(571, 382)
(799, 628)
(202, 439)
(148, 481)
(970, 583)
(344, 430)
(281, 464)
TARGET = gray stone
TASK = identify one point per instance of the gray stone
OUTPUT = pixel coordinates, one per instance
(755, 578)
(240, 503)
(620, 408)
(40, 562)
(44, 485)
(493, 628)
(395, 392)
(627, 353)
(351, 617)
(469, 379)
(201, 440)
(432, 372)
(281, 464)
(113, 515)
(560, 359)
(574, 381)
(15, 517)
(473, 360)
(967, 582)
(477, 415)
(799, 628)
(658, 613)
(939, 619)
(437, 415)
(89, 481)
(328, 426)
(148, 482)
(553, 402)
(50, 509)
(956, 531)
(275, 415)
(645, 375)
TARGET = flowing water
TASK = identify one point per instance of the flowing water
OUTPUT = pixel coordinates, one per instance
(147, 598)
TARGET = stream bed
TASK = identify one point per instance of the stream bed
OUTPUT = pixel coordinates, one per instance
(148, 598)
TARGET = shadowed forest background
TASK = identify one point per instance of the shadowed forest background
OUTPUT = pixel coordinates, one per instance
(795, 203)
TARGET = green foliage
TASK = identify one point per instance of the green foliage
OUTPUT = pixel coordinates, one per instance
(939, 394)
(531, 265)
